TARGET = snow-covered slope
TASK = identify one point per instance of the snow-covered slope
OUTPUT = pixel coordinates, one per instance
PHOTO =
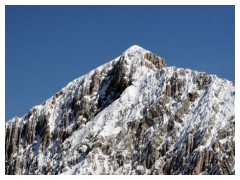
(133, 115)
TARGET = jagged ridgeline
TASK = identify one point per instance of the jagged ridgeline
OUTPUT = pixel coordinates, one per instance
(132, 115)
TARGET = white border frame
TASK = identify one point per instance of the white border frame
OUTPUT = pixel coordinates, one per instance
(122, 2)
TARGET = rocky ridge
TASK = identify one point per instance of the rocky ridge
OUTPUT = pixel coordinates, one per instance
(133, 115)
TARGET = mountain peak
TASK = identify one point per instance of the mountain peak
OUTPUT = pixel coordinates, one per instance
(142, 57)
(134, 48)
(133, 115)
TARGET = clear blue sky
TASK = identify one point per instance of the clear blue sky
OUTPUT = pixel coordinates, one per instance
(49, 46)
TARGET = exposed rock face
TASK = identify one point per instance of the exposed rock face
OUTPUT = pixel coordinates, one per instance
(154, 59)
(132, 115)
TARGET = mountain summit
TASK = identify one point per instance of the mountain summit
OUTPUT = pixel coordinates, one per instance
(132, 115)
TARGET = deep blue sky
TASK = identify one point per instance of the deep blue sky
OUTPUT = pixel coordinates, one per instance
(49, 46)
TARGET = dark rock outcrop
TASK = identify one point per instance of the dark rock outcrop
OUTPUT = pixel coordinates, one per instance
(157, 61)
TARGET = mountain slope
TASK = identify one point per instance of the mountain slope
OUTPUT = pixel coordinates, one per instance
(133, 115)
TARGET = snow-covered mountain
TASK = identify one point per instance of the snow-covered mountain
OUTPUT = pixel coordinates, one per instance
(133, 115)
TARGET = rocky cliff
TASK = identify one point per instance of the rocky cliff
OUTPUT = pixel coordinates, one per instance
(133, 115)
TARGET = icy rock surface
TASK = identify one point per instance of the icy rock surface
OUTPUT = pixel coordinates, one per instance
(133, 115)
